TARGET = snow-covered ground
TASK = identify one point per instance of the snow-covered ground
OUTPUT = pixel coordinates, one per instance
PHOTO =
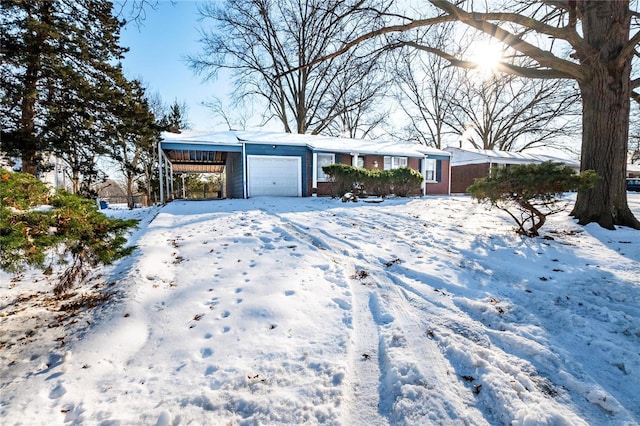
(307, 311)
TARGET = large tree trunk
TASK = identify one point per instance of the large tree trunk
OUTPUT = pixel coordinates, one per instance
(605, 116)
(29, 143)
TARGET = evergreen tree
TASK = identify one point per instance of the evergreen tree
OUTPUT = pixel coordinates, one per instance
(134, 136)
(175, 120)
(531, 192)
(43, 230)
(57, 77)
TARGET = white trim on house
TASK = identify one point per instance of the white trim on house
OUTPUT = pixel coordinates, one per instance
(319, 174)
(314, 172)
(433, 162)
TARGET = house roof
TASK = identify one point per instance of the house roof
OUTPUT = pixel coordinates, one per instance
(463, 157)
(314, 142)
(633, 168)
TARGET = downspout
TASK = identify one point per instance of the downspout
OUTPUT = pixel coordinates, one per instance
(245, 189)
(160, 176)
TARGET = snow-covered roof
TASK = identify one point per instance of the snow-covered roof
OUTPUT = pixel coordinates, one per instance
(313, 142)
(463, 157)
(633, 168)
(201, 137)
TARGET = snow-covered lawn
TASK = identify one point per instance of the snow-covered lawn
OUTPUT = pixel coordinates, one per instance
(307, 311)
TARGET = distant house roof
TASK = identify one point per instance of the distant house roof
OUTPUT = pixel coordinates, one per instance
(313, 142)
(463, 157)
(633, 168)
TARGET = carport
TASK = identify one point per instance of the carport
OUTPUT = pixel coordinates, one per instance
(182, 155)
(252, 162)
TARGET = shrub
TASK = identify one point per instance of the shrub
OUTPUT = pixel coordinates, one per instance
(39, 229)
(532, 190)
(344, 178)
(376, 182)
(405, 181)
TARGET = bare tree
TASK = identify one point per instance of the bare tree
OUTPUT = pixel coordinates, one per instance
(510, 113)
(237, 120)
(426, 88)
(588, 41)
(358, 91)
(258, 40)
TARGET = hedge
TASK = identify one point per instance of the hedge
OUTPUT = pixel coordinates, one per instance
(402, 181)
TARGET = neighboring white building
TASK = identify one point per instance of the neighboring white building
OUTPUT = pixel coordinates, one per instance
(469, 164)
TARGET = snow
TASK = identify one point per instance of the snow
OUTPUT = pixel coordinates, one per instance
(314, 142)
(308, 311)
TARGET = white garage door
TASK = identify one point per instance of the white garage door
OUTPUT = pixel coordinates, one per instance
(274, 176)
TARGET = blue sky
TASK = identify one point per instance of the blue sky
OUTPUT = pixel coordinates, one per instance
(157, 56)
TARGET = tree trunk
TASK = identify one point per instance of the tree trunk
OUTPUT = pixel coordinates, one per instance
(605, 116)
(75, 181)
(130, 179)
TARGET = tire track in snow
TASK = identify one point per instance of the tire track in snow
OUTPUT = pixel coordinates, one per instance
(362, 381)
(384, 328)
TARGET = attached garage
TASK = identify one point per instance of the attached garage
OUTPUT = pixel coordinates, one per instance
(269, 175)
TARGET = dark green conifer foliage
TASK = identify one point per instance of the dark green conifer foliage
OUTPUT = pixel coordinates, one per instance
(134, 136)
(530, 192)
(57, 79)
(68, 231)
(175, 120)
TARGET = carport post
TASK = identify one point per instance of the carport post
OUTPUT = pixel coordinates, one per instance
(160, 171)
(166, 176)
(173, 191)
(244, 172)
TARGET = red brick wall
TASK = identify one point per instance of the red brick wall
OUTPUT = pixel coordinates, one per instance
(370, 160)
(441, 187)
(414, 163)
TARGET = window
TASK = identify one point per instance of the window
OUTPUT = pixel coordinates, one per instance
(324, 160)
(361, 162)
(430, 170)
(394, 162)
